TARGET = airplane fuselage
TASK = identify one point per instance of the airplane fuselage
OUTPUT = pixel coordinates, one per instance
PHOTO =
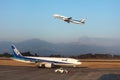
(69, 19)
(45, 61)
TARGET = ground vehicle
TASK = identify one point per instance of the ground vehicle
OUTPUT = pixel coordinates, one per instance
(61, 70)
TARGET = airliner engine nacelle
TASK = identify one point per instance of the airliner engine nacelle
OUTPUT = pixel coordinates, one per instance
(48, 65)
(45, 65)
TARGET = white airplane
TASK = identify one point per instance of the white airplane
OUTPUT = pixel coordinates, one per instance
(46, 62)
(69, 19)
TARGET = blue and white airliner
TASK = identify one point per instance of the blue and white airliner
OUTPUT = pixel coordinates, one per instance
(46, 62)
(69, 19)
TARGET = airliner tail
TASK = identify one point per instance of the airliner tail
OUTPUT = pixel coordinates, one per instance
(83, 20)
(16, 52)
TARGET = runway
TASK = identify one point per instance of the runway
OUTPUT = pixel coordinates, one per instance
(33, 73)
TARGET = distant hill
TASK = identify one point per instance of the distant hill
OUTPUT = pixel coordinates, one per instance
(44, 48)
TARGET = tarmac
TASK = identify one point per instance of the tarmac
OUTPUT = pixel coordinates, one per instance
(81, 73)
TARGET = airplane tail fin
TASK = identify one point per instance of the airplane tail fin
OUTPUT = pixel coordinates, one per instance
(83, 20)
(16, 53)
(19, 57)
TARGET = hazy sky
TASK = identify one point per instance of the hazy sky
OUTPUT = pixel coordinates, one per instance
(28, 19)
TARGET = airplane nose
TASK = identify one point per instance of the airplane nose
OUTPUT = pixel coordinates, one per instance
(78, 62)
(55, 15)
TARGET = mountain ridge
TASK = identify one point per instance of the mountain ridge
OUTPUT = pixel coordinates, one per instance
(44, 48)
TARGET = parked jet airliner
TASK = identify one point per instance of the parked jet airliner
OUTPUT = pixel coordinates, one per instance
(47, 62)
(69, 19)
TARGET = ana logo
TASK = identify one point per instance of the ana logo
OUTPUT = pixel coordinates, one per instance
(17, 52)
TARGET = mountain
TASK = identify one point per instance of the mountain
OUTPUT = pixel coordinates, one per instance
(4, 46)
(44, 48)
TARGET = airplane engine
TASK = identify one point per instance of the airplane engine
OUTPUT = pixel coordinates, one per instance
(48, 65)
(45, 65)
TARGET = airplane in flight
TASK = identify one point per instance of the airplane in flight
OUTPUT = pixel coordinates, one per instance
(46, 62)
(69, 19)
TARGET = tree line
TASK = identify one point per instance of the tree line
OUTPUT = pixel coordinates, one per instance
(96, 56)
(81, 56)
(24, 54)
